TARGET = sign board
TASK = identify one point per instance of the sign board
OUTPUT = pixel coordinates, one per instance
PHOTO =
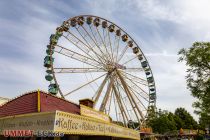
(89, 112)
(76, 124)
(34, 122)
(66, 123)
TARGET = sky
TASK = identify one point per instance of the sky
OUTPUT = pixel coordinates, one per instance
(161, 28)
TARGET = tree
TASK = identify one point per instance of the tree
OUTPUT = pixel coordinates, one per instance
(166, 122)
(162, 123)
(198, 77)
(185, 120)
(179, 122)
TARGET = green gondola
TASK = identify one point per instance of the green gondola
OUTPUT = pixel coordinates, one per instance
(49, 77)
(49, 52)
(151, 101)
(152, 89)
(50, 47)
(151, 86)
(58, 34)
(53, 39)
(47, 64)
(150, 79)
(152, 97)
(152, 94)
(144, 64)
(147, 73)
(49, 71)
(47, 61)
(53, 89)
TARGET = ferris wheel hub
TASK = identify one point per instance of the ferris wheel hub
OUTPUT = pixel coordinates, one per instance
(110, 66)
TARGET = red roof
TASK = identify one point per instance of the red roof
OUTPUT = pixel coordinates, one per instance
(28, 103)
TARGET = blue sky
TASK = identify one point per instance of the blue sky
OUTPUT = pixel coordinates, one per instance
(161, 28)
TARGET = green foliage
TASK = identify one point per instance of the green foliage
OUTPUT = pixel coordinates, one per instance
(167, 122)
(198, 77)
(187, 121)
(162, 123)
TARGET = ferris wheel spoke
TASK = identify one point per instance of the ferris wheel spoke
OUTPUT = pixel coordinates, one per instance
(123, 53)
(78, 46)
(139, 101)
(134, 69)
(77, 70)
(89, 46)
(142, 80)
(135, 80)
(103, 43)
(135, 106)
(117, 49)
(107, 43)
(110, 44)
(130, 100)
(85, 85)
(145, 95)
(76, 56)
(71, 52)
(77, 42)
(130, 60)
(138, 98)
(96, 42)
(81, 60)
(137, 86)
(86, 45)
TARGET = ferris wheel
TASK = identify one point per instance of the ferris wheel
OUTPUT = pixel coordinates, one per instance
(91, 57)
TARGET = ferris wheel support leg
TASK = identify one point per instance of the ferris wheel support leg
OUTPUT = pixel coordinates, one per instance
(107, 94)
(98, 93)
(124, 115)
(131, 102)
(130, 96)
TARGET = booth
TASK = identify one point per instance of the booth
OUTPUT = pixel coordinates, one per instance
(38, 115)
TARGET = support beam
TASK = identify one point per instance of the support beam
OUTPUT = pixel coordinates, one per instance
(133, 106)
(124, 115)
(107, 94)
(98, 93)
(130, 96)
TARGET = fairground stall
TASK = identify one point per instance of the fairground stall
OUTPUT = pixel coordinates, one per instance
(37, 114)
